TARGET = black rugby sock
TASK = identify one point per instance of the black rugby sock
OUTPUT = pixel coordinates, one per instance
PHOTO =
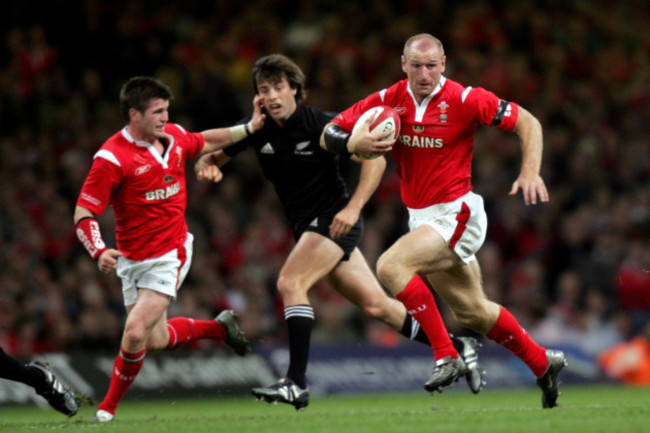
(300, 320)
(413, 331)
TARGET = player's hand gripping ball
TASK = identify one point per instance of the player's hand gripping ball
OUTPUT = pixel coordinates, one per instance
(386, 120)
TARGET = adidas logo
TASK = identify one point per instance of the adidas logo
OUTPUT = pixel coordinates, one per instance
(314, 223)
(267, 149)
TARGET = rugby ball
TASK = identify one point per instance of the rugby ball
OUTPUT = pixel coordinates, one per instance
(386, 119)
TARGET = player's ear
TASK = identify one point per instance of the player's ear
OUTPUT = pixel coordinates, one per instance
(134, 114)
(403, 64)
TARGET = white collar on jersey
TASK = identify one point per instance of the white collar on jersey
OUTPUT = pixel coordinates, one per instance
(163, 159)
(420, 109)
(142, 143)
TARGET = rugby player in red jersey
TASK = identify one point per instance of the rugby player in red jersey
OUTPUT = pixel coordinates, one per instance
(140, 172)
(447, 221)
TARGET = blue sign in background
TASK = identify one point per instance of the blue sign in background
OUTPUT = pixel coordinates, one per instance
(333, 368)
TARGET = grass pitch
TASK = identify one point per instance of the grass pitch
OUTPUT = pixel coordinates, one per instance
(586, 409)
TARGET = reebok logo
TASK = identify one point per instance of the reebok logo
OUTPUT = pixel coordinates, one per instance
(267, 149)
(443, 225)
(142, 169)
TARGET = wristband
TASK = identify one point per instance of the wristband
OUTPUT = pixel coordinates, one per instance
(239, 132)
(90, 236)
(336, 139)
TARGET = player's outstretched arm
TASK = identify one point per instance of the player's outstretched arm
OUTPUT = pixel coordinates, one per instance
(530, 181)
(219, 138)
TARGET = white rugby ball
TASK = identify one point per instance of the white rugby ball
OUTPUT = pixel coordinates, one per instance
(386, 120)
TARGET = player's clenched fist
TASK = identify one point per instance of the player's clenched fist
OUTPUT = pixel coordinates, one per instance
(107, 261)
(209, 173)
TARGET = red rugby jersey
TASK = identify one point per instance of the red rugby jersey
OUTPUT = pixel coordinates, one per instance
(433, 153)
(146, 189)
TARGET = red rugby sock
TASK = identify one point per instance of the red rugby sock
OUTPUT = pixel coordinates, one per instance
(509, 333)
(419, 301)
(183, 330)
(126, 368)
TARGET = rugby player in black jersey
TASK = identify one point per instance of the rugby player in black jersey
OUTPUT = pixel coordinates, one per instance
(326, 221)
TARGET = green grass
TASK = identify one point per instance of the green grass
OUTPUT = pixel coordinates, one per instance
(584, 409)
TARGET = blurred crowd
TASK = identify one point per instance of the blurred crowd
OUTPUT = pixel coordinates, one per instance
(575, 271)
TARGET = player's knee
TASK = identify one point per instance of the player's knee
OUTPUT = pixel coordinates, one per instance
(374, 311)
(135, 335)
(287, 286)
(387, 268)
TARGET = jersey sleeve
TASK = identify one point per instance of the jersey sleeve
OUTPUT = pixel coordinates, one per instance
(325, 117)
(489, 109)
(102, 180)
(193, 142)
(349, 117)
(197, 141)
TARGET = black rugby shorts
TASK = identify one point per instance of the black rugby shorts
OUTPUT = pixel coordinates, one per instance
(321, 225)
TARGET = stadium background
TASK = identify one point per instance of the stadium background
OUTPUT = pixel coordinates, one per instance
(574, 271)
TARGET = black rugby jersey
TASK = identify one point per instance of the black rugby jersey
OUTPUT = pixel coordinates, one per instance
(306, 177)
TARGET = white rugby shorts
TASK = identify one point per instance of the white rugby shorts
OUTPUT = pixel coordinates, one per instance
(164, 274)
(462, 223)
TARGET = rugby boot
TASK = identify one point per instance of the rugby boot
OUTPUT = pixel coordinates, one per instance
(235, 338)
(103, 416)
(59, 397)
(284, 391)
(549, 382)
(467, 348)
(446, 371)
